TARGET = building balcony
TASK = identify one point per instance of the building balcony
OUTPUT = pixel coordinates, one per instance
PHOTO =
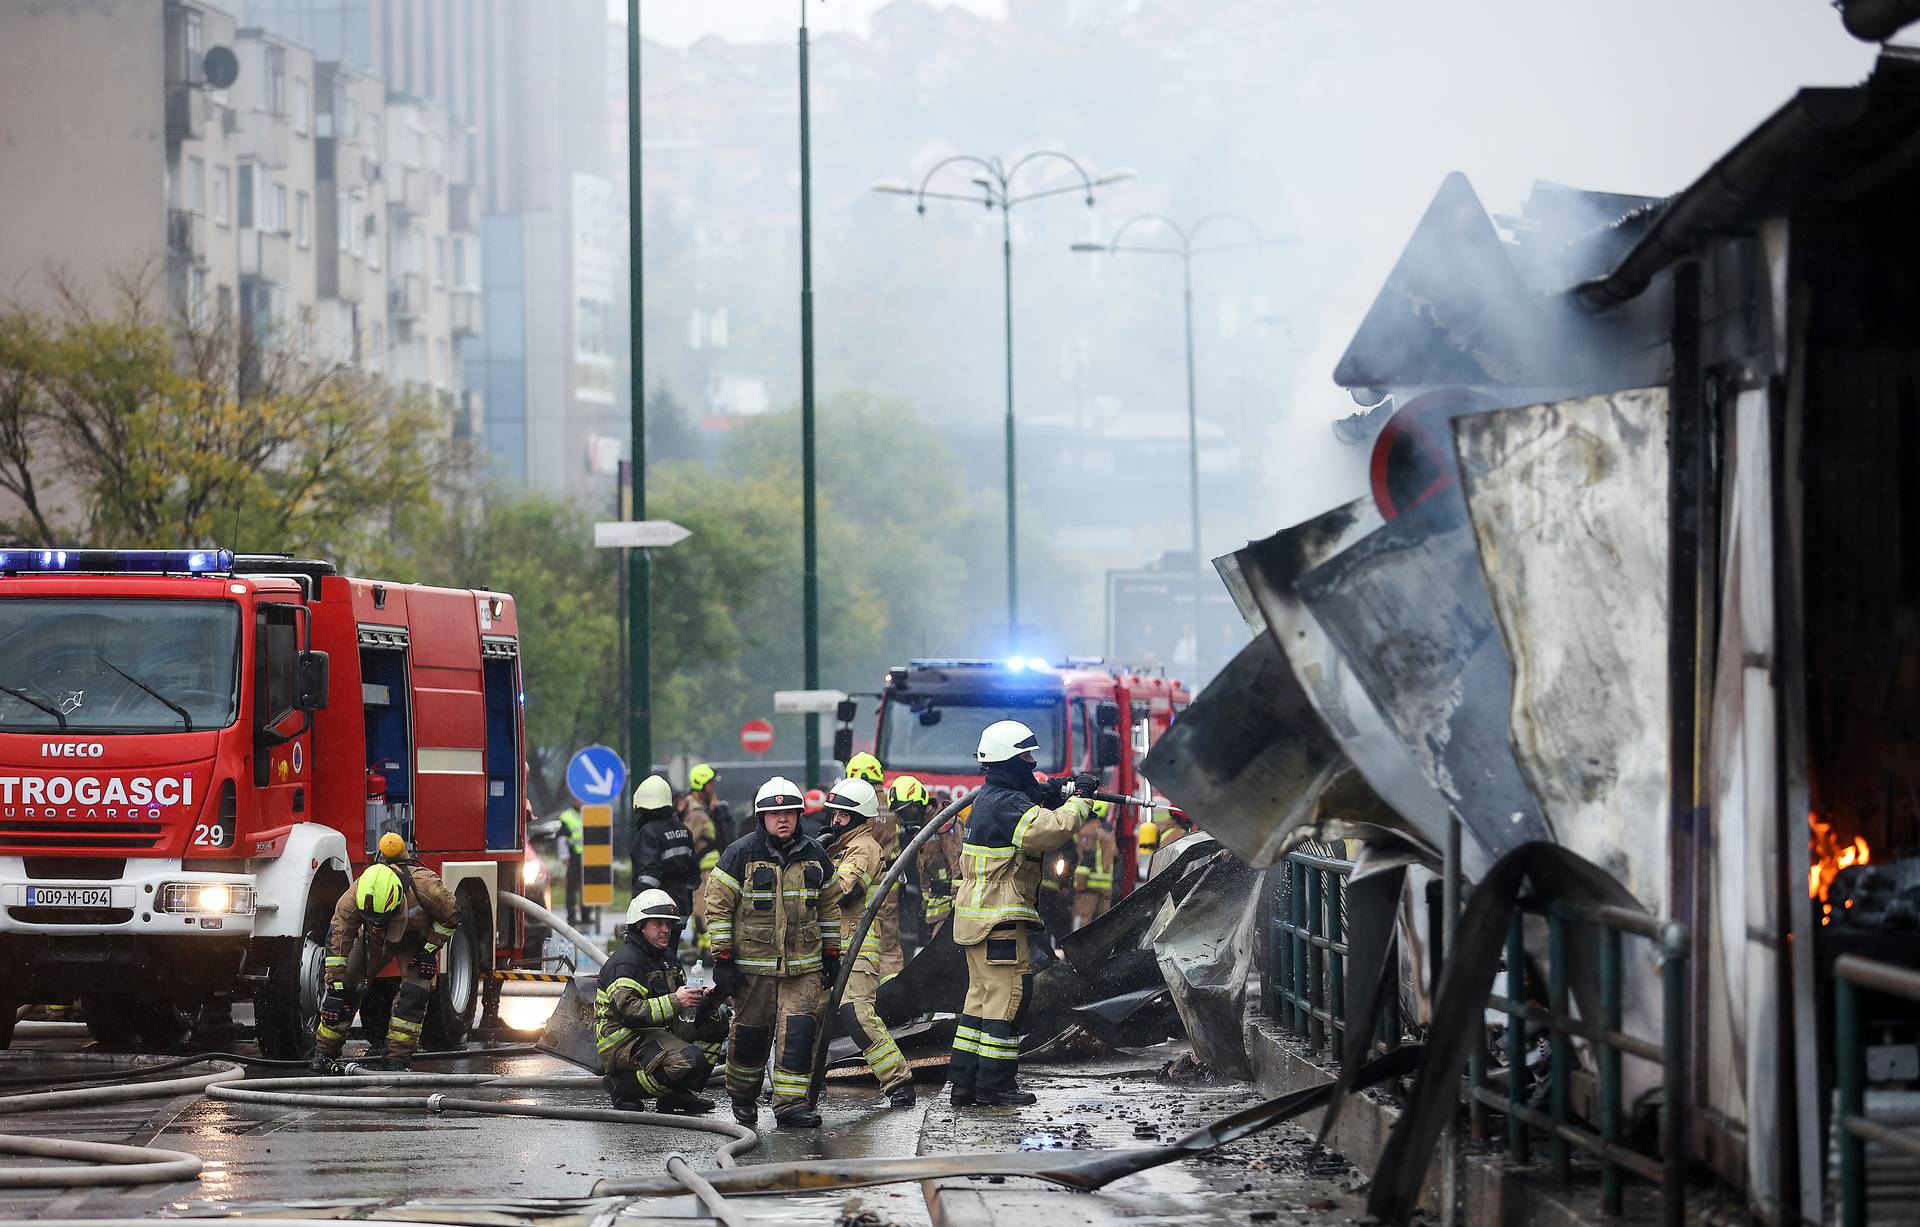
(186, 113)
(407, 297)
(464, 308)
(266, 139)
(410, 190)
(186, 233)
(265, 256)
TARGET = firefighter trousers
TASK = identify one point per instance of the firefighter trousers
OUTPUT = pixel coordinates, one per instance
(766, 1010)
(986, 1039)
(657, 1062)
(862, 1024)
(1089, 906)
(404, 1020)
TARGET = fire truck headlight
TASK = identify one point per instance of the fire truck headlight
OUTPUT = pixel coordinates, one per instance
(207, 899)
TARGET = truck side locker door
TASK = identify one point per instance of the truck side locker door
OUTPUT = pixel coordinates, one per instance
(279, 767)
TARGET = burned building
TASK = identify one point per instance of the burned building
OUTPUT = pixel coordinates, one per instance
(1638, 578)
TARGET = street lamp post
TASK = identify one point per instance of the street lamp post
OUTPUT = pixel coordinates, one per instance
(810, 537)
(1186, 251)
(639, 573)
(996, 192)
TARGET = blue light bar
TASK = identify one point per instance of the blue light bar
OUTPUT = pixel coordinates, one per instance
(139, 562)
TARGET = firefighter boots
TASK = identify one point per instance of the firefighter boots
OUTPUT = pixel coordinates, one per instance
(901, 1096)
(685, 1103)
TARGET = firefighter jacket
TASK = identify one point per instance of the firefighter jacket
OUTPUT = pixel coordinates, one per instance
(859, 863)
(774, 907)
(1098, 848)
(705, 836)
(936, 882)
(637, 984)
(427, 910)
(1009, 833)
(663, 857)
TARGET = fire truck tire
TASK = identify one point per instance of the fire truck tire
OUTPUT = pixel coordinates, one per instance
(456, 990)
(286, 1007)
(9, 1012)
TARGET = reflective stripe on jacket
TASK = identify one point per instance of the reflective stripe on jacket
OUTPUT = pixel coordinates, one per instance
(774, 910)
(860, 862)
(636, 990)
(1008, 836)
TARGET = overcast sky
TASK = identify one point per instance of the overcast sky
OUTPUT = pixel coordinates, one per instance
(679, 22)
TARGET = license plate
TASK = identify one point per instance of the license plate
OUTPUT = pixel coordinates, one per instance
(69, 896)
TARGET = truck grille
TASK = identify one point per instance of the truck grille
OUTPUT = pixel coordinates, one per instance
(84, 868)
(88, 836)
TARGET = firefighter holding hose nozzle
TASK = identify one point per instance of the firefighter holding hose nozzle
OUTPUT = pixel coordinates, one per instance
(646, 1047)
(1015, 821)
(398, 909)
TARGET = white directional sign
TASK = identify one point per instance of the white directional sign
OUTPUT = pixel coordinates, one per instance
(638, 534)
(807, 702)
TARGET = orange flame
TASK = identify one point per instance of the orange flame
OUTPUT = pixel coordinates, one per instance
(1830, 856)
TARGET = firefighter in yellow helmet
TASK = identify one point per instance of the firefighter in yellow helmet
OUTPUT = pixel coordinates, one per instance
(1093, 877)
(774, 929)
(1013, 823)
(859, 863)
(886, 829)
(935, 873)
(398, 909)
(697, 817)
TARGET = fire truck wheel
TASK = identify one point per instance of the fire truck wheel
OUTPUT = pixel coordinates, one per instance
(9, 1011)
(456, 990)
(286, 1008)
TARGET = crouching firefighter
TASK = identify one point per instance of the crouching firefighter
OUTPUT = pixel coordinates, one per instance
(1014, 821)
(646, 1047)
(773, 928)
(398, 909)
(859, 862)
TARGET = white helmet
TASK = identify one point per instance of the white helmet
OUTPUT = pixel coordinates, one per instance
(856, 796)
(652, 905)
(653, 793)
(1005, 739)
(778, 793)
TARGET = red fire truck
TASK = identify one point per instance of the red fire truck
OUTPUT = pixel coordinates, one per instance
(1088, 716)
(199, 750)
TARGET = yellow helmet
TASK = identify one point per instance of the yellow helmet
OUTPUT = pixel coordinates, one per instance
(1146, 837)
(864, 766)
(377, 893)
(907, 790)
(701, 776)
(393, 846)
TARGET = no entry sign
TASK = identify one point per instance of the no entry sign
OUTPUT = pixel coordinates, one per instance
(756, 737)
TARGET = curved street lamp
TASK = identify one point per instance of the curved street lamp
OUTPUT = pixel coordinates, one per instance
(1184, 247)
(995, 181)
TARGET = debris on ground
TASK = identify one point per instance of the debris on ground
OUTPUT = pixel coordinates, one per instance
(1185, 1069)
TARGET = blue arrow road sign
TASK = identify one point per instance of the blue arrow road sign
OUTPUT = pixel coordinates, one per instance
(595, 775)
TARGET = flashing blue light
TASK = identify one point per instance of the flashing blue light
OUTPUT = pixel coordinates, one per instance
(1016, 663)
(150, 562)
(1036, 663)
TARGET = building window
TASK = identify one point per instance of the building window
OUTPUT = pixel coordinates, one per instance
(221, 192)
(303, 219)
(300, 103)
(196, 185)
(190, 46)
(460, 279)
(246, 195)
(280, 208)
(197, 296)
(277, 81)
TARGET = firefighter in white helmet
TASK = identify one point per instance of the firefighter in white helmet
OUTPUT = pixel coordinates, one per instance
(1014, 821)
(773, 930)
(860, 862)
(646, 1046)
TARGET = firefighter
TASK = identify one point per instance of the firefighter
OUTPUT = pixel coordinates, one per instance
(398, 909)
(773, 927)
(698, 818)
(859, 862)
(662, 848)
(886, 829)
(645, 1047)
(910, 801)
(574, 840)
(1014, 822)
(1093, 878)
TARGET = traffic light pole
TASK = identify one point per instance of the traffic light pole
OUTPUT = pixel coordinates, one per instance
(639, 563)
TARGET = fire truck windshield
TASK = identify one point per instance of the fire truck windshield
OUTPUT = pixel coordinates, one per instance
(117, 665)
(937, 735)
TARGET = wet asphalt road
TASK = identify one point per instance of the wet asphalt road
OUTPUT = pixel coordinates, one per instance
(264, 1159)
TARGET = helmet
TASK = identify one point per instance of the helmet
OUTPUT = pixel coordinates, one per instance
(778, 793)
(1146, 837)
(393, 846)
(701, 776)
(1005, 739)
(377, 893)
(908, 790)
(652, 905)
(855, 796)
(864, 766)
(653, 793)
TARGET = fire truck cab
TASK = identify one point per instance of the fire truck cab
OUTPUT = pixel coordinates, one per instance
(198, 752)
(1087, 715)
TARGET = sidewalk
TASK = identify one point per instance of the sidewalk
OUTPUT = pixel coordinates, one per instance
(1117, 1103)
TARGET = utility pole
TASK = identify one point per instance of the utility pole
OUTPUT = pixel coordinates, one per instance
(810, 547)
(639, 564)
